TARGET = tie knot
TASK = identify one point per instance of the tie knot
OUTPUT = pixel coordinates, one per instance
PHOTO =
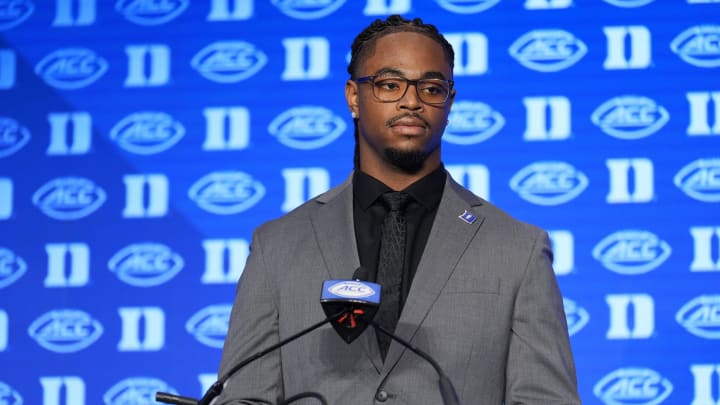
(396, 200)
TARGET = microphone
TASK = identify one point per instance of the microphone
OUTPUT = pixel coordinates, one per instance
(361, 300)
(356, 300)
(350, 306)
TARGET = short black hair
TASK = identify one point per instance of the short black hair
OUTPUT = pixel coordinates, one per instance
(365, 41)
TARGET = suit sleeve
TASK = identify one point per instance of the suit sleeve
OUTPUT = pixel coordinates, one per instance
(540, 367)
(253, 327)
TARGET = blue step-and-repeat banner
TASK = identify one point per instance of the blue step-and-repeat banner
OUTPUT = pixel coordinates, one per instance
(141, 142)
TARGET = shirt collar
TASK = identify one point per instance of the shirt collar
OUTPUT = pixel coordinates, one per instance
(426, 191)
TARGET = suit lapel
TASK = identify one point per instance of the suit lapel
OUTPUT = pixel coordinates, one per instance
(448, 239)
(335, 232)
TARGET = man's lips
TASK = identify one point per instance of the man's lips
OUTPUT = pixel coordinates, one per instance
(408, 121)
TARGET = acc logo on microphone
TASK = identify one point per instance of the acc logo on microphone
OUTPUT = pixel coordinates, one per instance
(8, 395)
(701, 316)
(548, 50)
(307, 127)
(146, 264)
(68, 198)
(71, 68)
(472, 122)
(549, 183)
(633, 386)
(14, 14)
(307, 9)
(466, 6)
(12, 267)
(226, 193)
(13, 136)
(629, 3)
(136, 390)
(210, 325)
(632, 252)
(147, 132)
(151, 12)
(630, 117)
(65, 330)
(700, 180)
(699, 45)
(575, 315)
(229, 61)
(351, 289)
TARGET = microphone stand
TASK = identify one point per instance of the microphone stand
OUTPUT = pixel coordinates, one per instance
(217, 387)
(447, 390)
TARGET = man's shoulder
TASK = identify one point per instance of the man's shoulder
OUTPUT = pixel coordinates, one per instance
(301, 214)
(494, 214)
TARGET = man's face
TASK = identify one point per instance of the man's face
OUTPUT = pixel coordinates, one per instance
(403, 134)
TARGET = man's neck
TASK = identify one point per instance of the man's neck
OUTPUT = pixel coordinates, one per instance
(396, 178)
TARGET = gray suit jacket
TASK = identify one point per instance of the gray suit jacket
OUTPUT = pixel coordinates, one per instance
(484, 303)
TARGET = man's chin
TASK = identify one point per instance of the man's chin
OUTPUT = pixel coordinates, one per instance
(411, 161)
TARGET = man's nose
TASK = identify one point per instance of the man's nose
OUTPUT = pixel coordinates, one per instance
(411, 99)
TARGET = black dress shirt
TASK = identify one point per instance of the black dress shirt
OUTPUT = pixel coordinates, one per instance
(369, 213)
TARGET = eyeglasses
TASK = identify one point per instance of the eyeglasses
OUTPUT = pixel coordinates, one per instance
(389, 89)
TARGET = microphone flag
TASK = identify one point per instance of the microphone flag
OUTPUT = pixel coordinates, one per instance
(359, 300)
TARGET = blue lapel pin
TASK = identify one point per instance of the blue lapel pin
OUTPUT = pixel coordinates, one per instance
(467, 217)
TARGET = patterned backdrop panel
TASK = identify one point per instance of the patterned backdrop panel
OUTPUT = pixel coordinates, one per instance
(142, 141)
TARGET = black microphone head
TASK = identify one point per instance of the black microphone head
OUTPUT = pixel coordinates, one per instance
(361, 274)
(354, 302)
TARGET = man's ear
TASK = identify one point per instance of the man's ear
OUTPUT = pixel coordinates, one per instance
(351, 97)
(451, 99)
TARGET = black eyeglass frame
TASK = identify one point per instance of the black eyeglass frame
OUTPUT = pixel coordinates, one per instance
(408, 82)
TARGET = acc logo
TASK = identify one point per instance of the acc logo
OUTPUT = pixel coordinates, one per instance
(548, 50)
(229, 61)
(145, 12)
(147, 132)
(226, 193)
(12, 136)
(13, 13)
(549, 183)
(12, 267)
(576, 316)
(307, 127)
(67, 198)
(630, 117)
(700, 180)
(146, 264)
(136, 391)
(210, 325)
(307, 9)
(472, 122)
(466, 6)
(631, 252)
(633, 386)
(629, 3)
(8, 396)
(701, 316)
(699, 45)
(71, 68)
(65, 330)
(352, 289)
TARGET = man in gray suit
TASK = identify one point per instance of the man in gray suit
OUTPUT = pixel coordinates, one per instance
(472, 286)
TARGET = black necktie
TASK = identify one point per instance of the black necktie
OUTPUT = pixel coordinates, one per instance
(390, 264)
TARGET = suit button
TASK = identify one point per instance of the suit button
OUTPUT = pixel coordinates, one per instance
(381, 396)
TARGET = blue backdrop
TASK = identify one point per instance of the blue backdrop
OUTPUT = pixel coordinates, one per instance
(141, 142)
